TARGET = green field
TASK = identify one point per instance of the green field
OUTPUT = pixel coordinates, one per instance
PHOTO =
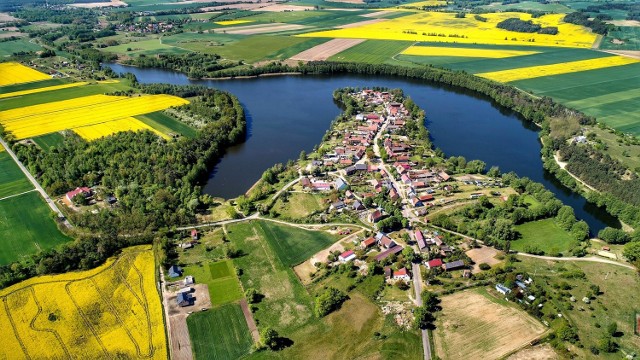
(221, 279)
(146, 47)
(220, 333)
(629, 35)
(12, 180)
(298, 205)
(7, 48)
(545, 235)
(529, 6)
(166, 124)
(26, 227)
(47, 141)
(372, 51)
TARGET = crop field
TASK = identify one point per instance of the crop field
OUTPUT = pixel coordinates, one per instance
(232, 22)
(15, 73)
(372, 51)
(221, 279)
(89, 110)
(42, 89)
(557, 69)
(46, 142)
(26, 227)
(167, 124)
(113, 310)
(97, 131)
(473, 324)
(545, 235)
(326, 50)
(445, 27)
(465, 52)
(12, 180)
(220, 333)
(7, 48)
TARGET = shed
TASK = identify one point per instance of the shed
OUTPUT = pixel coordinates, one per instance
(458, 264)
(175, 271)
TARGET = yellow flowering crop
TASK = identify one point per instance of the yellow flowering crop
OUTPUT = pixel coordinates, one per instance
(232, 22)
(556, 69)
(97, 131)
(111, 311)
(42, 89)
(464, 52)
(15, 73)
(445, 27)
(42, 119)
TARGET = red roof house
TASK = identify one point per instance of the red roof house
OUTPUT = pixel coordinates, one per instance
(434, 263)
(85, 191)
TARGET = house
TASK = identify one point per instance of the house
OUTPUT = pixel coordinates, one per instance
(175, 271)
(385, 241)
(375, 216)
(341, 184)
(85, 191)
(454, 265)
(347, 256)
(416, 202)
(444, 176)
(427, 197)
(184, 299)
(502, 289)
(305, 182)
(348, 194)
(387, 272)
(189, 280)
(321, 186)
(393, 195)
(357, 205)
(434, 263)
(194, 234)
(338, 205)
(405, 179)
(420, 239)
(401, 274)
(367, 243)
(385, 254)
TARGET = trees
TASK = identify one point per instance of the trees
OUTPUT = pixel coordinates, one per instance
(269, 338)
(330, 300)
(632, 251)
(423, 318)
(614, 236)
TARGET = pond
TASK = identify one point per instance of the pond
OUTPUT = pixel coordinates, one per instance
(287, 114)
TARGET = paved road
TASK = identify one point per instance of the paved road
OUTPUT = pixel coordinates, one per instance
(417, 285)
(35, 183)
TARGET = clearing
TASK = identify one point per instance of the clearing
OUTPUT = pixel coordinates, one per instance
(484, 254)
(544, 235)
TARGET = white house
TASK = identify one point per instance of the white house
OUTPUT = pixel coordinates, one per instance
(347, 256)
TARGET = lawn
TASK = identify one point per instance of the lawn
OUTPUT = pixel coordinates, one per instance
(26, 227)
(299, 205)
(544, 235)
(46, 142)
(12, 180)
(372, 51)
(221, 279)
(220, 333)
(167, 124)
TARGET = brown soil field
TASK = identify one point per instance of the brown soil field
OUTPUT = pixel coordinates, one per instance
(4, 17)
(285, 7)
(263, 29)
(112, 3)
(326, 50)
(8, 34)
(349, 1)
(483, 254)
(473, 326)
(360, 23)
(180, 341)
(542, 352)
(634, 54)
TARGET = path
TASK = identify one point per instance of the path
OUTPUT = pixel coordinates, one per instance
(417, 286)
(563, 165)
(284, 188)
(251, 323)
(15, 195)
(35, 183)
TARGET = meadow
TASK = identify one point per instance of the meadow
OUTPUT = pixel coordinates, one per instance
(221, 279)
(8, 48)
(219, 334)
(372, 51)
(298, 205)
(622, 38)
(12, 180)
(110, 311)
(15, 73)
(46, 142)
(167, 124)
(544, 235)
(26, 227)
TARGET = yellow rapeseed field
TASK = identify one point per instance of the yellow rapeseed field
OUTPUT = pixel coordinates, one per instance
(97, 131)
(108, 312)
(14, 73)
(232, 22)
(445, 27)
(42, 119)
(465, 52)
(556, 69)
(42, 89)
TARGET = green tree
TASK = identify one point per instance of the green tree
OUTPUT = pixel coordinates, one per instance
(612, 328)
(606, 344)
(330, 300)
(252, 295)
(567, 333)
(632, 251)
(423, 317)
(269, 338)
(303, 155)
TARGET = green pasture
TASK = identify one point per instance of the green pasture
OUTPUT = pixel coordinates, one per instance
(219, 334)
(47, 141)
(628, 35)
(221, 279)
(545, 235)
(166, 124)
(26, 227)
(146, 47)
(12, 180)
(372, 51)
(7, 48)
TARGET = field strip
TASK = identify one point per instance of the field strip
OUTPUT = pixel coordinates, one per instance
(604, 99)
(326, 50)
(591, 84)
(267, 29)
(251, 323)
(360, 23)
(96, 131)
(465, 52)
(43, 89)
(57, 106)
(376, 14)
(16, 195)
(556, 69)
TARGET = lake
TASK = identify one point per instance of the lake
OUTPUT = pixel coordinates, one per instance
(288, 114)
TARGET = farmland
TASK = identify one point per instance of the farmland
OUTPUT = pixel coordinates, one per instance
(474, 324)
(111, 310)
(12, 180)
(465, 52)
(544, 235)
(15, 73)
(42, 89)
(89, 110)
(372, 51)
(46, 142)
(221, 279)
(220, 333)
(96, 131)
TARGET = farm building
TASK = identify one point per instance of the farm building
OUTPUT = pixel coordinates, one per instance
(175, 271)
(420, 239)
(454, 265)
(385, 254)
(434, 263)
(502, 289)
(347, 256)
(184, 299)
(401, 274)
(367, 243)
(85, 191)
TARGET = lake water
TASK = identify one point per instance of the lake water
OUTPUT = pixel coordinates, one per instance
(287, 114)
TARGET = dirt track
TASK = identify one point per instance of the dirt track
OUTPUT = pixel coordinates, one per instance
(326, 50)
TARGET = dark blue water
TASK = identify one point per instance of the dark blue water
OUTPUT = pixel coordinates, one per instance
(287, 114)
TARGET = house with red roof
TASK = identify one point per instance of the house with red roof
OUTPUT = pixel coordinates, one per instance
(434, 263)
(401, 274)
(375, 216)
(347, 256)
(85, 191)
(368, 243)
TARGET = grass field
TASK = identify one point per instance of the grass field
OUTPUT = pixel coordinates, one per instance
(166, 124)
(465, 52)
(146, 47)
(16, 73)
(26, 227)
(7, 48)
(46, 142)
(42, 119)
(545, 235)
(219, 334)
(221, 279)
(628, 35)
(617, 301)
(298, 205)
(473, 324)
(111, 311)
(12, 180)
(372, 51)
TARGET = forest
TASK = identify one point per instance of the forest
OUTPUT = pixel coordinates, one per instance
(515, 24)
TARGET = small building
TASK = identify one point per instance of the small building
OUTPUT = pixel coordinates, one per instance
(375, 216)
(84, 191)
(189, 280)
(194, 234)
(305, 182)
(338, 205)
(387, 272)
(347, 256)
(341, 184)
(111, 200)
(368, 243)
(454, 265)
(184, 299)
(385, 254)
(401, 274)
(385, 241)
(175, 271)
(416, 202)
(502, 289)
(357, 205)
(434, 263)
(521, 285)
